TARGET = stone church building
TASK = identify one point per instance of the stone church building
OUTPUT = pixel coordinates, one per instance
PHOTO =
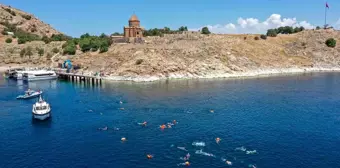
(134, 29)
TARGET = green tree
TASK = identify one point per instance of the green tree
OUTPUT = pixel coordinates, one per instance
(70, 48)
(86, 35)
(21, 41)
(271, 33)
(85, 44)
(317, 27)
(41, 52)
(8, 40)
(116, 34)
(103, 49)
(331, 42)
(183, 28)
(205, 30)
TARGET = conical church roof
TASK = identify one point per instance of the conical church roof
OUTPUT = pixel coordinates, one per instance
(133, 18)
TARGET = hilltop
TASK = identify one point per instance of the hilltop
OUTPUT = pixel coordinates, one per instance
(187, 55)
(25, 21)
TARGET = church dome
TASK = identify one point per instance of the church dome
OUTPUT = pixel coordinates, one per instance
(133, 18)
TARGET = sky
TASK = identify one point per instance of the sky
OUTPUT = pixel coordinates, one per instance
(76, 17)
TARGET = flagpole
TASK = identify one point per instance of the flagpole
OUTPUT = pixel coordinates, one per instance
(325, 15)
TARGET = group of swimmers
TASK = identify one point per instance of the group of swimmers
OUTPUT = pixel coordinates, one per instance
(168, 125)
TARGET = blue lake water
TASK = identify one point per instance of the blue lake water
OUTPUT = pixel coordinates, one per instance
(291, 121)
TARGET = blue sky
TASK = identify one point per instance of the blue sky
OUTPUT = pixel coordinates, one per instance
(75, 17)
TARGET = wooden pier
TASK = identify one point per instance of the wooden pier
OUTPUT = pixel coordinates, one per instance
(80, 78)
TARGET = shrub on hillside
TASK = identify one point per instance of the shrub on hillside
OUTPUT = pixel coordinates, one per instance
(69, 48)
(264, 37)
(27, 17)
(21, 41)
(103, 49)
(318, 28)
(29, 52)
(205, 30)
(3, 32)
(139, 61)
(256, 38)
(41, 52)
(49, 56)
(244, 38)
(55, 50)
(8, 40)
(10, 11)
(46, 39)
(331, 42)
(22, 52)
(271, 33)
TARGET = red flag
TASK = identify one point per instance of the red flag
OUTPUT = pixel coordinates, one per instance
(327, 5)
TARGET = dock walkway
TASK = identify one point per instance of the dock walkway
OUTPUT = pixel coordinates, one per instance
(80, 77)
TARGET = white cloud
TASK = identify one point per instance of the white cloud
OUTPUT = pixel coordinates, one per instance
(253, 25)
(337, 24)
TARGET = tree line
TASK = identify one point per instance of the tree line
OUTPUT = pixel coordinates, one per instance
(284, 30)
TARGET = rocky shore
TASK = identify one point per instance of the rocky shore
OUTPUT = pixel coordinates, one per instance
(185, 56)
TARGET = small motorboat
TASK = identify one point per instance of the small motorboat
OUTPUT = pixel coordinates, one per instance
(30, 94)
(41, 109)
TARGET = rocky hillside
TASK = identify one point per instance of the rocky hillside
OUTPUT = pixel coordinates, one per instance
(177, 55)
(214, 55)
(25, 21)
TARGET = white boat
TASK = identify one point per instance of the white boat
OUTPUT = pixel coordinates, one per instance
(39, 75)
(18, 75)
(30, 94)
(41, 110)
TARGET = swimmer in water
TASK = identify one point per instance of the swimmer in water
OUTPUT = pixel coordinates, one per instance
(187, 157)
(149, 156)
(174, 122)
(211, 111)
(229, 163)
(123, 139)
(120, 102)
(169, 126)
(187, 163)
(103, 129)
(218, 140)
(162, 126)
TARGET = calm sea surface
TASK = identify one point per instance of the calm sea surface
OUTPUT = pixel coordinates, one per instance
(291, 121)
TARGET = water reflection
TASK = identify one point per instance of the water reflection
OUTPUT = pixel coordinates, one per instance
(42, 84)
(42, 124)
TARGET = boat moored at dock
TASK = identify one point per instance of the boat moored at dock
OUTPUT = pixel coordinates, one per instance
(39, 75)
